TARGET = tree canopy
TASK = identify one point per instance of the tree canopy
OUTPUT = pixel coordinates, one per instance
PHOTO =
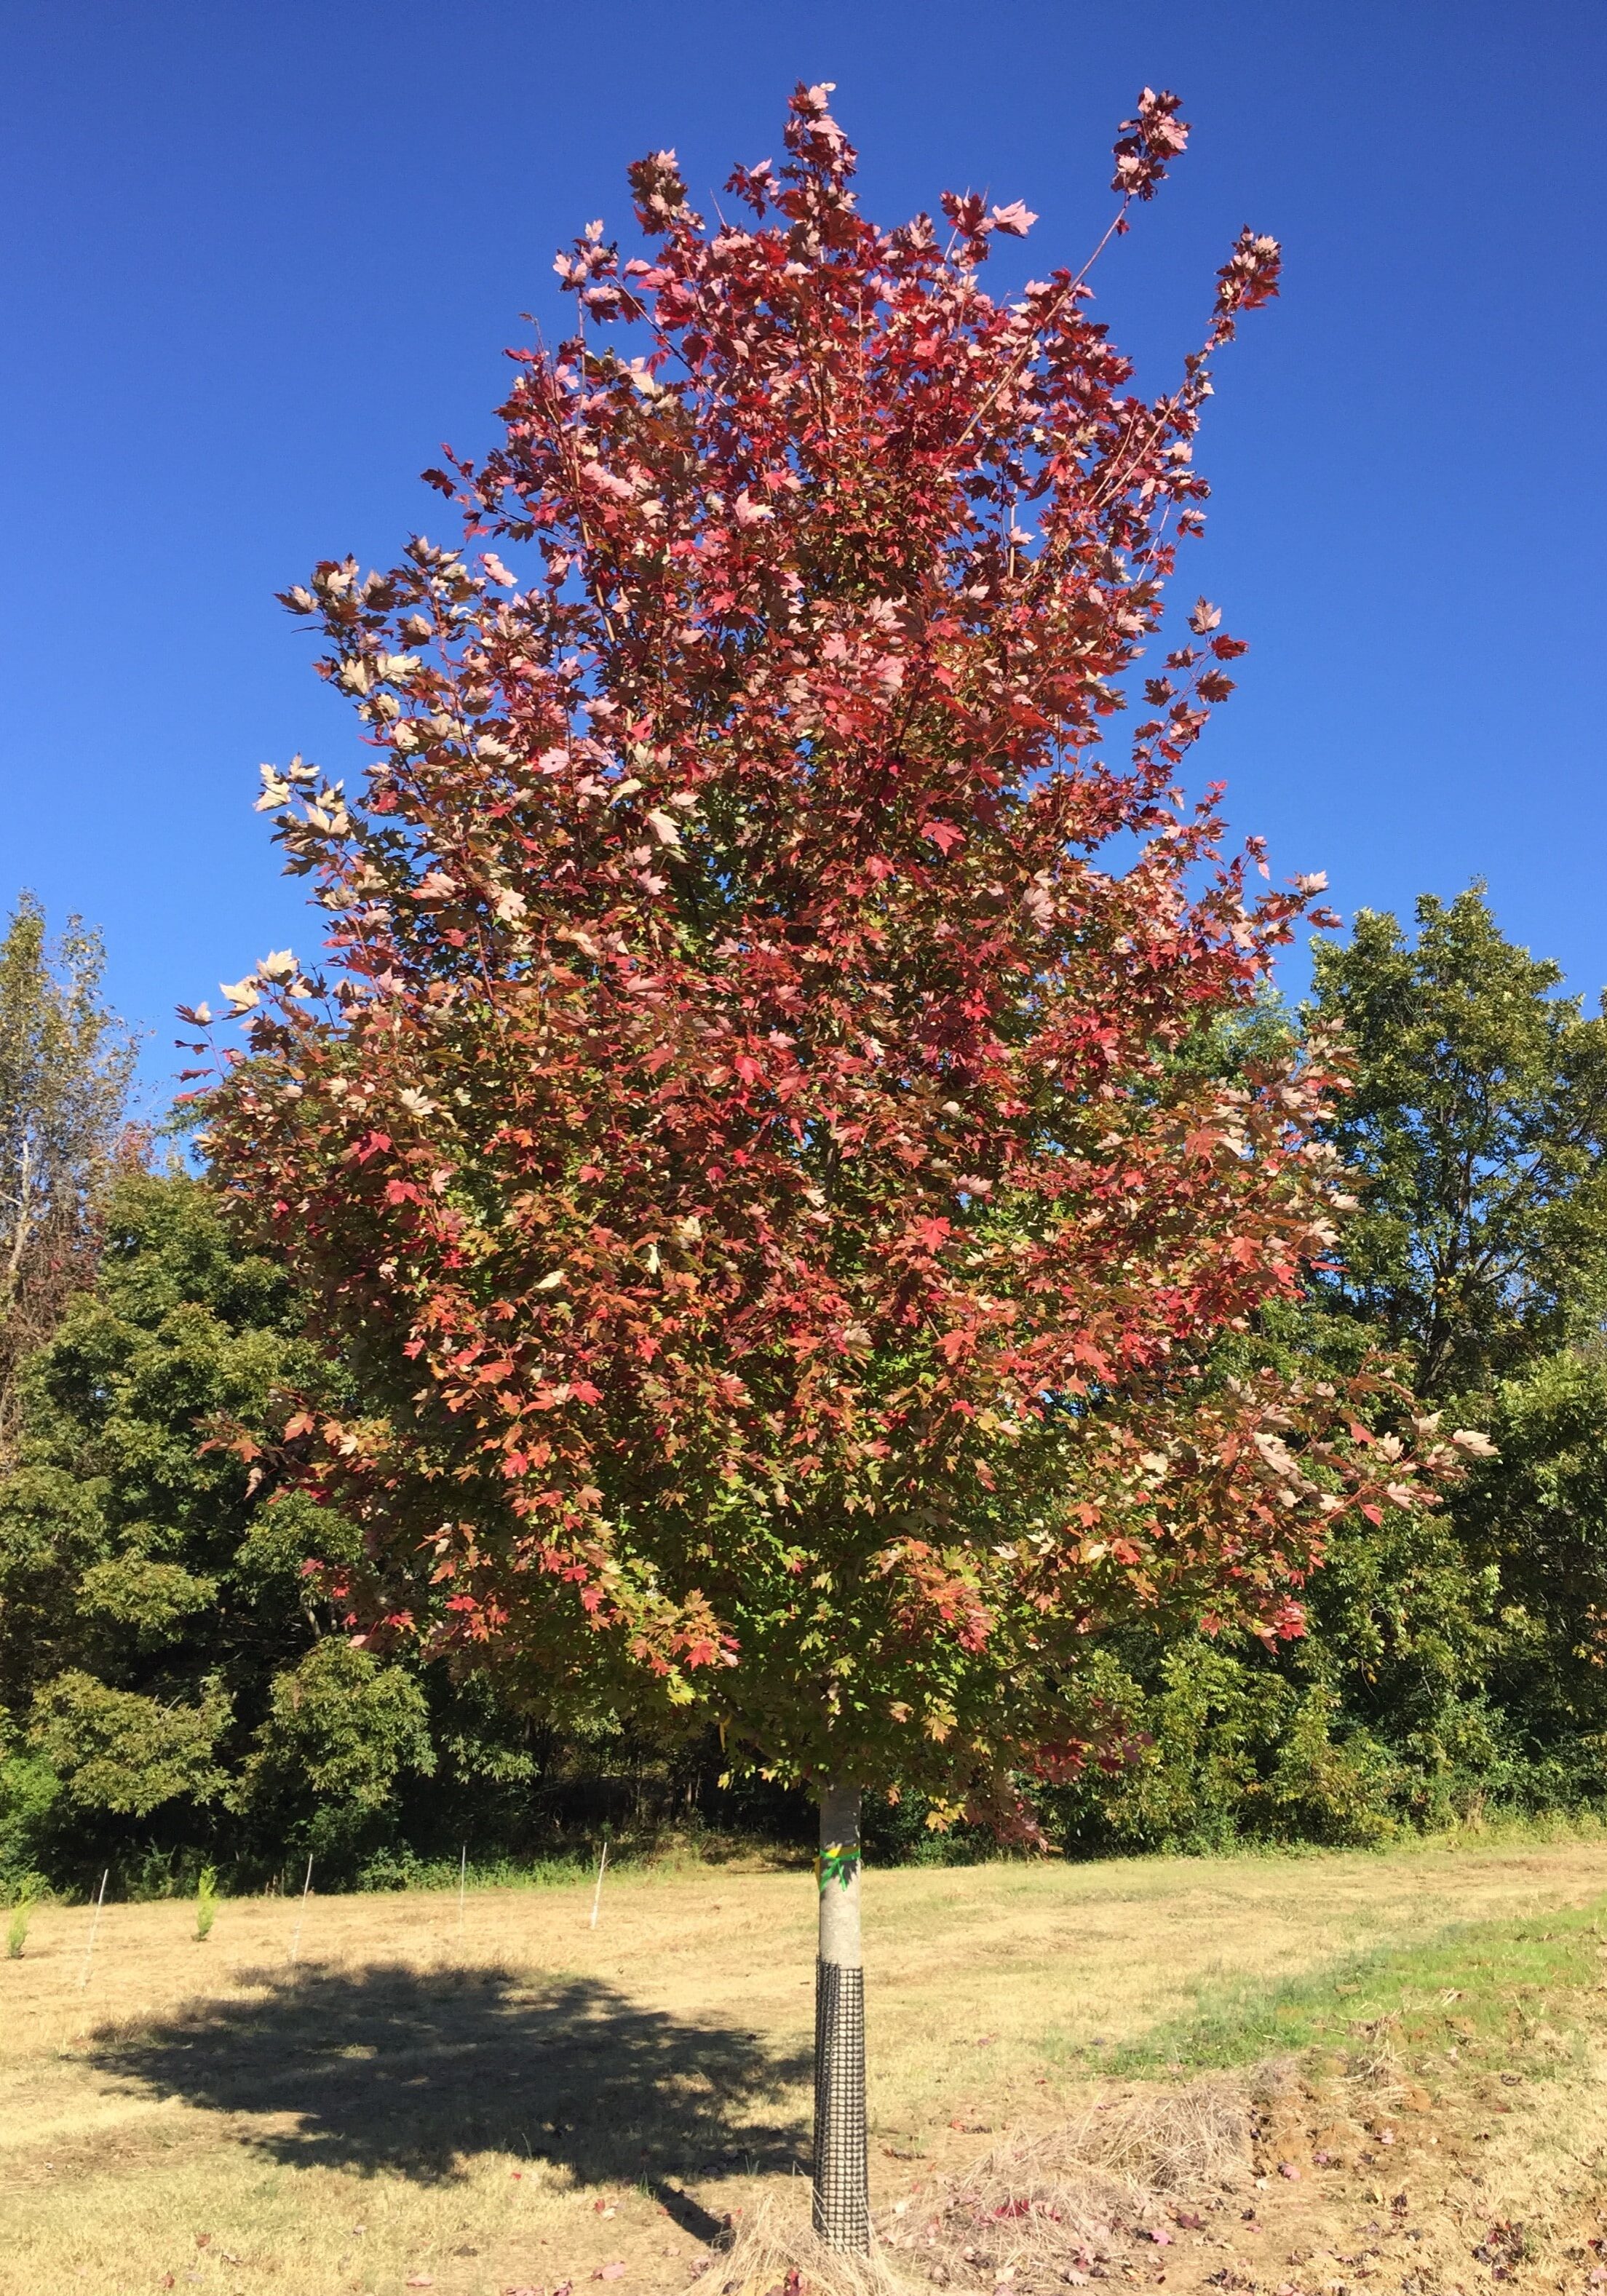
(738, 1135)
(1475, 1132)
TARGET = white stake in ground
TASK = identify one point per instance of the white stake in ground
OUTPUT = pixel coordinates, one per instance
(597, 1892)
(95, 1924)
(463, 1884)
(301, 1916)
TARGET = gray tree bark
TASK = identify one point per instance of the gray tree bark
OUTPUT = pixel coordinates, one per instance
(843, 2209)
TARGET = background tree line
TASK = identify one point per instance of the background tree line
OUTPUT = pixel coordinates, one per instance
(173, 1691)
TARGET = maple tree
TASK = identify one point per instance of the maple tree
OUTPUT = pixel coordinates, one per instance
(740, 1132)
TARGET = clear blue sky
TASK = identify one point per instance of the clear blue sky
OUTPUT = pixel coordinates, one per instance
(258, 260)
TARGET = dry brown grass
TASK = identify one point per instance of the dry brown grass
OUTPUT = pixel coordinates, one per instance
(1351, 2175)
(530, 2101)
(1040, 2210)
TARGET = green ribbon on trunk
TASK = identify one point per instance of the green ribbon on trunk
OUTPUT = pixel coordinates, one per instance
(839, 1863)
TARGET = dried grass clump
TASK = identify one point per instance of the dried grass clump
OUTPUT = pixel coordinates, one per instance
(1190, 2140)
(772, 2254)
(1054, 2207)
(1047, 2209)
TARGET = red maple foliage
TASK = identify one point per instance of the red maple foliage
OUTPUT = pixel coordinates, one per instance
(743, 1136)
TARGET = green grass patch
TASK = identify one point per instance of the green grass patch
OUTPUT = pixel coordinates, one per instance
(1512, 1989)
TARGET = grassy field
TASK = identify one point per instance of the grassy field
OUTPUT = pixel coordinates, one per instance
(511, 2100)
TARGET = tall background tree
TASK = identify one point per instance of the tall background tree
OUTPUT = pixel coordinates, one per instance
(65, 1066)
(740, 1151)
(1475, 1133)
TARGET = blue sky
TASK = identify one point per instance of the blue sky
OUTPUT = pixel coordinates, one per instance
(261, 260)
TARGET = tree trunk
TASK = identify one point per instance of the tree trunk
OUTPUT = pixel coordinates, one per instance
(843, 2209)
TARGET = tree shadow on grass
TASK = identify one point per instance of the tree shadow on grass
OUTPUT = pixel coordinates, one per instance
(394, 2069)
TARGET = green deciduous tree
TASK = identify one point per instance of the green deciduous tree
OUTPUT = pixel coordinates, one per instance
(1477, 1134)
(1537, 1515)
(119, 1534)
(127, 1751)
(65, 1064)
(156, 1627)
(1475, 1131)
(346, 1726)
(173, 1688)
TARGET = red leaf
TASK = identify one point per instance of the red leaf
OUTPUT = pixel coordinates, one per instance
(943, 835)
